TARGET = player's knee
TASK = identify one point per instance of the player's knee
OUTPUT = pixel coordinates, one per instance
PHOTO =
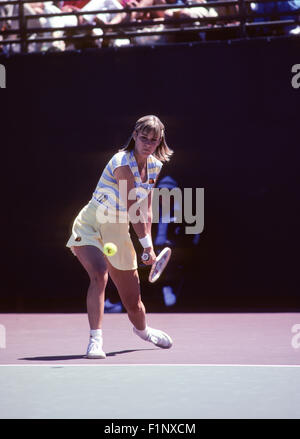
(135, 307)
(99, 276)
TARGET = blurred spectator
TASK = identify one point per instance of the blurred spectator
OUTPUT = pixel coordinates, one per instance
(79, 4)
(4, 12)
(273, 11)
(106, 18)
(84, 37)
(225, 11)
(62, 21)
(41, 22)
(79, 32)
(203, 11)
(175, 13)
(112, 307)
(143, 4)
(124, 16)
(155, 15)
(169, 232)
(229, 26)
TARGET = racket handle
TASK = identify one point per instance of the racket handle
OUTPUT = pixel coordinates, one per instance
(145, 257)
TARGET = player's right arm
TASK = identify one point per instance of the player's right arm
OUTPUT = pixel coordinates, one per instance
(141, 227)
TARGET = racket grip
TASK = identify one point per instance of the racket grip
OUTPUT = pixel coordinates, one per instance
(145, 257)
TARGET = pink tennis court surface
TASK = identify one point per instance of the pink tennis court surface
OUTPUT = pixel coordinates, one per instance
(216, 338)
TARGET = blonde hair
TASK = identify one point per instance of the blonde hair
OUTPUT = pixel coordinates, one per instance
(147, 124)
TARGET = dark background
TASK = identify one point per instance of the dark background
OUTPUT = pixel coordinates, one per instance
(232, 118)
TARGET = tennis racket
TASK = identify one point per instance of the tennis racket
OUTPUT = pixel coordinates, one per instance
(159, 264)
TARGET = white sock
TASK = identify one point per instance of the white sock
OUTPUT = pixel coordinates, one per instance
(96, 333)
(143, 333)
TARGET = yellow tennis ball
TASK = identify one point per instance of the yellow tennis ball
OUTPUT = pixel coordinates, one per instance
(110, 249)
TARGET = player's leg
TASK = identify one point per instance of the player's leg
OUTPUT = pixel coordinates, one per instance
(128, 285)
(93, 261)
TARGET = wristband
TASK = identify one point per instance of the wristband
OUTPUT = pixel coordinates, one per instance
(146, 241)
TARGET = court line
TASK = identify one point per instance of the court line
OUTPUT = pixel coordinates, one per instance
(152, 365)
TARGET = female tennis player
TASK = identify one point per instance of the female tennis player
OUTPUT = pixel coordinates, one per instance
(105, 219)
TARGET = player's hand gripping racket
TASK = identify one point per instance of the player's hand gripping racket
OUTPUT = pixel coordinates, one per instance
(159, 264)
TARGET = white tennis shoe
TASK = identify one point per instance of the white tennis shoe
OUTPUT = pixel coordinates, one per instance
(94, 349)
(157, 337)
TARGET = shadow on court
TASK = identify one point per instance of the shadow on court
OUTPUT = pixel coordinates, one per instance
(76, 357)
(206, 338)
